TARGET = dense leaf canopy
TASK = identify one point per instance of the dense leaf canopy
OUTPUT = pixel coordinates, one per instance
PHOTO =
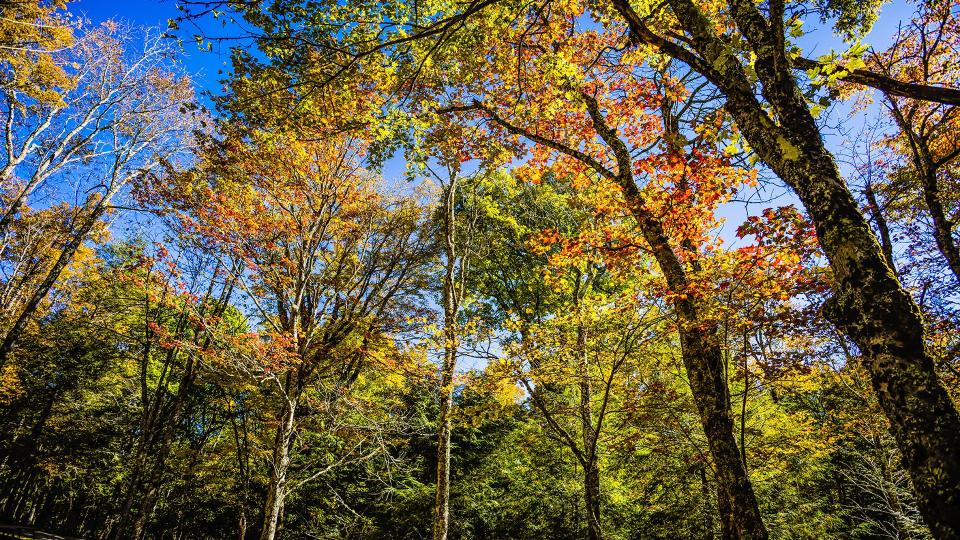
(482, 269)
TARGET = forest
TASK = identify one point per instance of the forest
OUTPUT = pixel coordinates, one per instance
(480, 269)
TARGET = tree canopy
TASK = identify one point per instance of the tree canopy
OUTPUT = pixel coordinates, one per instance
(486, 269)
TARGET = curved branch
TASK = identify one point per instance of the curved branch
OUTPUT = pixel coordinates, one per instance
(889, 85)
(514, 129)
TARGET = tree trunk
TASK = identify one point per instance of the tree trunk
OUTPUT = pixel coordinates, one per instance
(704, 366)
(118, 530)
(272, 509)
(441, 515)
(160, 425)
(700, 345)
(869, 303)
(144, 510)
(701, 350)
(153, 426)
(727, 529)
(591, 469)
(441, 511)
(242, 526)
(591, 484)
(871, 307)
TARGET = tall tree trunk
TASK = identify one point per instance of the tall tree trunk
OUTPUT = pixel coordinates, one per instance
(869, 303)
(704, 365)
(147, 503)
(701, 349)
(871, 306)
(873, 309)
(276, 491)
(591, 469)
(441, 511)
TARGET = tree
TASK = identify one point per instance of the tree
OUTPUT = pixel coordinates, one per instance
(457, 258)
(869, 303)
(764, 99)
(552, 295)
(925, 51)
(33, 36)
(328, 263)
(120, 121)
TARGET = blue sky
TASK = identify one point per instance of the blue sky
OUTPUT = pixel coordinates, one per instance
(203, 66)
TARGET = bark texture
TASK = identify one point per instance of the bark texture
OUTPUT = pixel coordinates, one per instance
(451, 297)
(280, 463)
(869, 303)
